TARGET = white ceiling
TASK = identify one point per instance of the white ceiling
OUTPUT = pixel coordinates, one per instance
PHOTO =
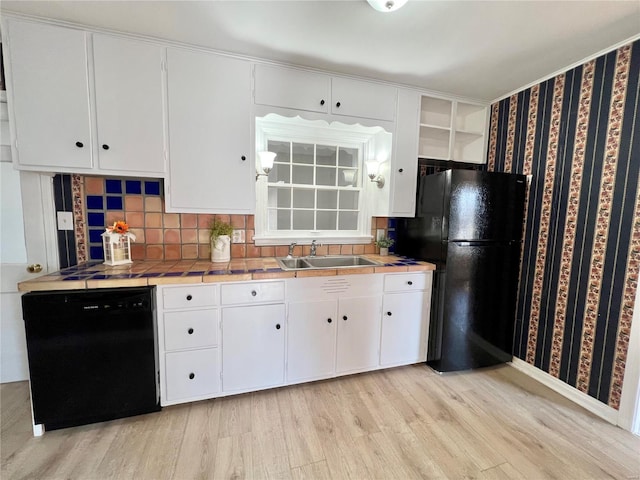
(476, 49)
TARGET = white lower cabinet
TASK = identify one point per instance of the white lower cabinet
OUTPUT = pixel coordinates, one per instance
(358, 334)
(192, 374)
(253, 346)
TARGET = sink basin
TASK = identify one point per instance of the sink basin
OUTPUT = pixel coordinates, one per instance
(338, 261)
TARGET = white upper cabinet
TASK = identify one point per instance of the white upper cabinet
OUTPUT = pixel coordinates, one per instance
(291, 88)
(452, 130)
(210, 145)
(48, 97)
(356, 98)
(129, 104)
(315, 92)
(63, 118)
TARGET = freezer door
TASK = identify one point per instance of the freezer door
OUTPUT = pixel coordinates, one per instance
(478, 306)
(484, 205)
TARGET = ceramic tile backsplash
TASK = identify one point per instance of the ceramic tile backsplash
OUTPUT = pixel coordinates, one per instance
(173, 236)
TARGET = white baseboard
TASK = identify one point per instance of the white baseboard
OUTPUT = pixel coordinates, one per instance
(589, 403)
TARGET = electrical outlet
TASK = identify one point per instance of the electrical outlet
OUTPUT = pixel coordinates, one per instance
(65, 220)
(238, 236)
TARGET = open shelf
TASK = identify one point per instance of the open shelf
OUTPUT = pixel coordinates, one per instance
(435, 112)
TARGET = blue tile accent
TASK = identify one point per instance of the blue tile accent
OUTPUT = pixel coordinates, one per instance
(94, 235)
(75, 277)
(96, 253)
(100, 276)
(391, 223)
(94, 202)
(217, 272)
(273, 270)
(173, 274)
(114, 203)
(194, 274)
(113, 186)
(147, 275)
(95, 219)
(133, 186)
(152, 188)
(237, 271)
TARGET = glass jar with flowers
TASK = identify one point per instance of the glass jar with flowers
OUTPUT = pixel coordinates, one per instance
(116, 243)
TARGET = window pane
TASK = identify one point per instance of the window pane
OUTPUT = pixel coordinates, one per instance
(280, 173)
(303, 198)
(284, 220)
(302, 153)
(348, 200)
(302, 175)
(303, 220)
(326, 220)
(327, 199)
(326, 176)
(283, 197)
(348, 221)
(347, 177)
(325, 155)
(281, 149)
(348, 157)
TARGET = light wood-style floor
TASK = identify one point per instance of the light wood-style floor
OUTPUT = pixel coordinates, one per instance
(400, 423)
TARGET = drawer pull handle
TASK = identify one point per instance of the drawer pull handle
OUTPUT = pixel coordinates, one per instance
(79, 144)
(329, 320)
(344, 317)
(409, 282)
(277, 326)
(338, 104)
(189, 297)
(253, 293)
(192, 376)
(389, 313)
(321, 102)
(190, 331)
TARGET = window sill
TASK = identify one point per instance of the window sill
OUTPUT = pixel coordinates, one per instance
(261, 241)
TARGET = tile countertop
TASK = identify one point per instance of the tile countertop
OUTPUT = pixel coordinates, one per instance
(142, 273)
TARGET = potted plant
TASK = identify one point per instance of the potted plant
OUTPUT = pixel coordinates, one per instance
(220, 235)
(383, 243)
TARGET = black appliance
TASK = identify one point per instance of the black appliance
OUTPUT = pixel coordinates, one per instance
(92, 355)
(469, 223)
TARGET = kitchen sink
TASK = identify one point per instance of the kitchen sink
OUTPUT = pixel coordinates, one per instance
(338, 261)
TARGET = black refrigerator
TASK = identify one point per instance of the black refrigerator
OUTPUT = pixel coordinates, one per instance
(469, 223)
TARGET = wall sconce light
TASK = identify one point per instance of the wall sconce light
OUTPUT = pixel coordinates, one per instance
(266, 163)
(386, 5)
(372, 172)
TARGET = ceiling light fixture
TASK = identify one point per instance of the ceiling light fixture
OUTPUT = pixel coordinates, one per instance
(386, 5)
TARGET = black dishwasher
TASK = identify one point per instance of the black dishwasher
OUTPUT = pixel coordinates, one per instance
(92, 355)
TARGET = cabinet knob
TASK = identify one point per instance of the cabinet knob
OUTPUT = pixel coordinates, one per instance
(321, 102)
(105, 147)
(277, 326)
(189, 297)
(190, 331)
(192, 376)
(329, 320)
(389, 314)
(344, 317)
(409, 282)
(253, 293)
(338, 104)
(401, 170)
(79, 144)
(243, 158)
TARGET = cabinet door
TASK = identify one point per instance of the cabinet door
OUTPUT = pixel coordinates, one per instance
(311, 340)
(358, 334)
(290, 88)
(130, 126)
(404, 328)
(363, 99)
(210, 160)
(252, 347)
(48, 96)
(405, 157)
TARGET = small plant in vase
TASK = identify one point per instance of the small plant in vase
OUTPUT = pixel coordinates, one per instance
(220, 234)
(383, 243)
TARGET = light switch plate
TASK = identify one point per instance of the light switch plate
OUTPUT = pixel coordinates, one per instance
(65, 220)
(379, 233)
(238, 236)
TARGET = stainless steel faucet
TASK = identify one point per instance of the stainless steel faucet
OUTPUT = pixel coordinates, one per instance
(314, 245)
(291, 246)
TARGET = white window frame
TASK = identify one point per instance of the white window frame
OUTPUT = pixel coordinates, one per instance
(368, 140)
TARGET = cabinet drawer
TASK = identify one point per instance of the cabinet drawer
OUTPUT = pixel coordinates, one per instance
(407, 282)
(190, 296)
(252, 292)
(190, 329)
(192, 374)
